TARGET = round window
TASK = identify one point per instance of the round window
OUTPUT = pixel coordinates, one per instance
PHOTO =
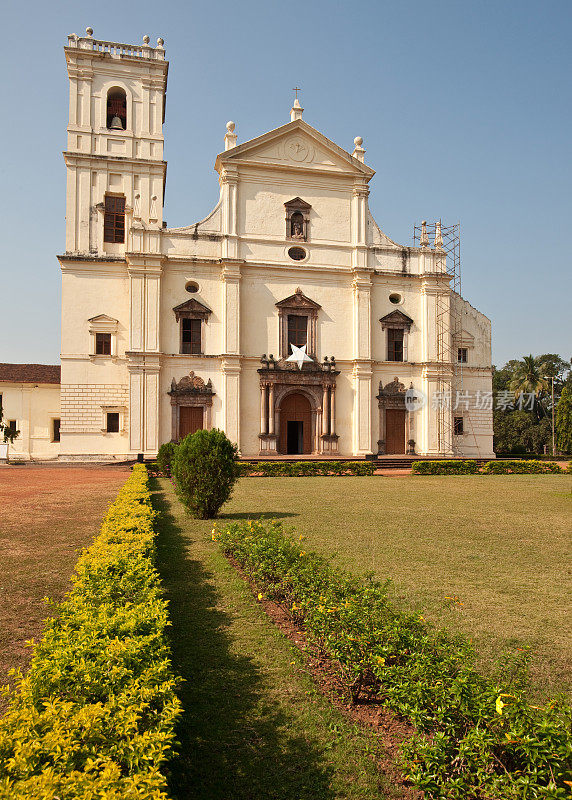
(297, 253)
(395, 298)
(192, 286)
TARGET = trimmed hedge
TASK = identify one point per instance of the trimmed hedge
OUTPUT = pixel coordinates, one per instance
(497, 467)
(452, 467)
(518, 467)
(296, 469)
(94, 716)
(478, 737)
(165, 456)
(204, 470)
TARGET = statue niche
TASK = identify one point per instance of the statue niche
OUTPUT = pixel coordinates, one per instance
(297, 219)
(297, 226)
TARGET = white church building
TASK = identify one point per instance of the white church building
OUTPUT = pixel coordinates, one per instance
(285, 317)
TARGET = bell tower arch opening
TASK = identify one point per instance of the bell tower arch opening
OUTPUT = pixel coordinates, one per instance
(116, 110)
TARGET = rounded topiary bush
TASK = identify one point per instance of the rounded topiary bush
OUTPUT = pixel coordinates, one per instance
(165, 457)
(205, 469)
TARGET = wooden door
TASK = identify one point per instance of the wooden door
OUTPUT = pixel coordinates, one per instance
(190, 420)
(296, 408)
(395, 430)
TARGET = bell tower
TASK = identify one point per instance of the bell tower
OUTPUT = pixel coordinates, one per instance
(112, 265)
(114, 156)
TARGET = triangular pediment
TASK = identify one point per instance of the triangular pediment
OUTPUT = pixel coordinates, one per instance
(192, 308)
(298, 300)
(297, 202)
(464, 337)
(295, 145)
(103, 324)
(103, 318)
(396, 319)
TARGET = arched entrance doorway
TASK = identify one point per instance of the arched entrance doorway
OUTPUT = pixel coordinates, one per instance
(295, 425)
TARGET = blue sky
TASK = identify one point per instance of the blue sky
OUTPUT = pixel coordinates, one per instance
(464, 108)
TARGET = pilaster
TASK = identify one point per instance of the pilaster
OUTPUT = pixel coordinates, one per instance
(230, 286)
(230, 370)
(362, 411)
(229, 201)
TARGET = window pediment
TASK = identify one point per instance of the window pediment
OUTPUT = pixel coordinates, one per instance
(396, 319)
(191, 384)
(297, 204)
(464, 339)
(103, 324)
(298, 302)
(192, 309)
(297, 305)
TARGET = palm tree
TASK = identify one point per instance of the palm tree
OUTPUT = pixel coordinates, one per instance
(529, 378)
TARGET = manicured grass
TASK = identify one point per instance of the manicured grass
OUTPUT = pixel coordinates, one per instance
(500, 544)
(254, 724)
(47, 515)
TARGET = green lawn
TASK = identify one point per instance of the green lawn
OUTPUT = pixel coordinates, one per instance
(500, 544)
(254, 725)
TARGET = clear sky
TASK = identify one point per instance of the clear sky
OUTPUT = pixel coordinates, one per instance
(464, 107)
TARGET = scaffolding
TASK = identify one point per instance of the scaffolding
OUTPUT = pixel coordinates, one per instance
(448, 325)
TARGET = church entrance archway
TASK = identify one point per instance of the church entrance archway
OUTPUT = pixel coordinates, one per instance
(295, 425)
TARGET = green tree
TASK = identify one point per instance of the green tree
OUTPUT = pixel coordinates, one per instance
(205, 470)
(529, 377)
(519, 430)
(7, 433)
(564, 421)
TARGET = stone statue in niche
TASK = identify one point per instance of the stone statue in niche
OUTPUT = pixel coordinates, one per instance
(297, 226)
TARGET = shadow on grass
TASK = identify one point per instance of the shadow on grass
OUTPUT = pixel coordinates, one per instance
(234, 742)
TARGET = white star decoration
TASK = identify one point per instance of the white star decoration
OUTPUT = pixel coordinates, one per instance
(299, 355)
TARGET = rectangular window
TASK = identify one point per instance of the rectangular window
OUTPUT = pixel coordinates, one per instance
(297, 330)
(462, 355)
(102, 344)
(12, 425)
(112, 422)
(191, 336)
(114, 219)
(394, 344)
(55, 430)
(458, 426)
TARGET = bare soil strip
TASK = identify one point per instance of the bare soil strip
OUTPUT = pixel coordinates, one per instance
(47, 516)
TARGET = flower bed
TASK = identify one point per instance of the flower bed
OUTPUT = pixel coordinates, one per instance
(478, 737)
(94, 717)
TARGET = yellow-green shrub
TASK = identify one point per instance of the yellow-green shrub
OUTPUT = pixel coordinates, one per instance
(94, 717)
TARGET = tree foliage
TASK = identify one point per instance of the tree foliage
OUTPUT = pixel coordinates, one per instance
(165, 457)
(564, 421)
(528, 431)
(7, 433)
(205, 470)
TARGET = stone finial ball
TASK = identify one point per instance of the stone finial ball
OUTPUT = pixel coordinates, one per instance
(358, 141)
(160, 42)
(89, 31)
(146, 39)
(230, 126)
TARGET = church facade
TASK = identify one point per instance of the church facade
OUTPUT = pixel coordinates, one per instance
(285, 317)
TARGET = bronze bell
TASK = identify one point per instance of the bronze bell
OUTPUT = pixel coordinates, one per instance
(116, 124)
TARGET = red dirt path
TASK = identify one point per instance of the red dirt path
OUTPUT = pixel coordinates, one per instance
(47, 515)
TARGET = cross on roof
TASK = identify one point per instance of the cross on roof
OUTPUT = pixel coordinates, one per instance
(296, 89)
